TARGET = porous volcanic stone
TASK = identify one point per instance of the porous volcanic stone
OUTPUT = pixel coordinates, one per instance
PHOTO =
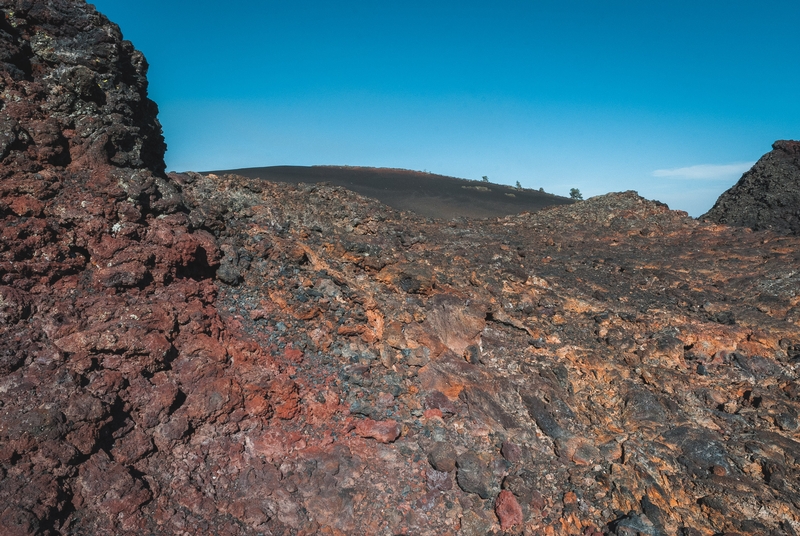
(383, 431)
(473, 475)
(442, 456)
(508, 510)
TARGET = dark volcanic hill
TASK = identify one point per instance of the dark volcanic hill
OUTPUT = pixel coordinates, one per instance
(197, 354)
(767, 196)
(426, 194)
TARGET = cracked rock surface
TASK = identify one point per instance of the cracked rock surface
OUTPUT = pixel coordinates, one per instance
(202, 354)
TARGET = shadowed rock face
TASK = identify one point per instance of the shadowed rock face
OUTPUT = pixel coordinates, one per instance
(767, 196)
(191, 354)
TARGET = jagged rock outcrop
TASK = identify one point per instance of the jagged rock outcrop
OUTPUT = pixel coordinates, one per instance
(767, 196)
(74, 93)
(99, 271)
(194, 354)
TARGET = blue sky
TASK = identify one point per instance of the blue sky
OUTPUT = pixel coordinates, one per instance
(673, 99)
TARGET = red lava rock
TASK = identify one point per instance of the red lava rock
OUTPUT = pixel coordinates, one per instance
(26, 206)
(109, 488)
(508, 510)
(427, 501)
(435, 413)
(294, 355)
(438, 400)
(537, 501)
(285, 397)
(132, 448)
(128, 274)
(18, 522)
(15, 305)
(719, 470)
(212, 397)
(383, 431)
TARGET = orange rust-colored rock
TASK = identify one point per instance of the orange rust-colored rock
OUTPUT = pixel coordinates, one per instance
(386, 431)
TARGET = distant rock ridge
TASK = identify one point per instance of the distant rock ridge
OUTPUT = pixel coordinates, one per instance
(767, 196)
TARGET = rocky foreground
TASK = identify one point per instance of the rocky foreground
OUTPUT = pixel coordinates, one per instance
(192, 354)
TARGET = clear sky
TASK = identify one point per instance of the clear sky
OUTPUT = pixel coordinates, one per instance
(674, 98)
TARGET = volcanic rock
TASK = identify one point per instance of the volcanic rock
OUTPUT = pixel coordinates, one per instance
(383, 431)
(348, 353)
(767, 196)
(473, 475)
(508, 510)
(443, 457)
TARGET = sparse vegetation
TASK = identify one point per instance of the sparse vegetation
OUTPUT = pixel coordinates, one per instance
(575, 194)
(485, 178)
(519, 186)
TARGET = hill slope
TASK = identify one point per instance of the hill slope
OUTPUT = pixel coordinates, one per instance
(426, 194)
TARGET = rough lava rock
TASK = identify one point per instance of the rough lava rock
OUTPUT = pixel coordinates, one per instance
(608, 367)
(767, 196)
(508, 510)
